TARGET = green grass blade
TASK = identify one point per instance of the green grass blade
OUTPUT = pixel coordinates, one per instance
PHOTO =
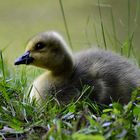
(102, 25)
(96, 35)
(137, 11)
(2, 65)
(130, 37)
(65, 23)
(129, 17)
(130, 45)
(114, 30)
(86, 31)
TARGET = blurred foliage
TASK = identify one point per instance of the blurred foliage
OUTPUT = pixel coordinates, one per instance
(20, 20)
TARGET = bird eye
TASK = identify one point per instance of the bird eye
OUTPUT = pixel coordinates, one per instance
(39, 45)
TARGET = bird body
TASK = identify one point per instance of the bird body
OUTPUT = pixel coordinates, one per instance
(109, 76)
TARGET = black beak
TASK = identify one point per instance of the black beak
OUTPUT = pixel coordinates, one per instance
(25, 59)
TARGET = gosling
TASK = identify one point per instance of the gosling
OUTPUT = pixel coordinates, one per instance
(111, 77)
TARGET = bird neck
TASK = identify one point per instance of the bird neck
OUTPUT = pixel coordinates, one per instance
(65, 69)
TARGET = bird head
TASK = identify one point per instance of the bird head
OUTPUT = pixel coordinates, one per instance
(46, 50)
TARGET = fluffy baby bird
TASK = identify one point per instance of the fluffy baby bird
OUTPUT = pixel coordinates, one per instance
(110, 76)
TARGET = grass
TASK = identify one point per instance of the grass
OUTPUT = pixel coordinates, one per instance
(80, 120)
(65, 23)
